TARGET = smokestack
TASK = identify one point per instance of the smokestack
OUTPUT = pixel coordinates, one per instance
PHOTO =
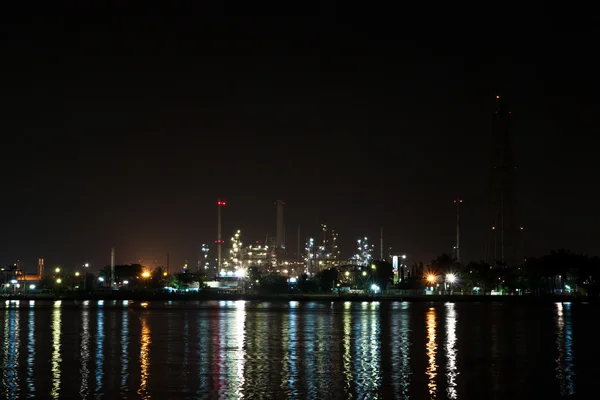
(112, 267)
(41, 267)
(219, 238)
(168, 263)
(280, 240)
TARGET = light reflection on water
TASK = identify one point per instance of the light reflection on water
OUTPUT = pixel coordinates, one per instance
(367, 357)
(289, 337)
(145, 340)
(235, 350)
(99, 350)
(56, 350)
(564, 344)
(431, 350)
(347, 357)
(11, 344)
(451, 352)
(31, 353)
(85, 353)
(309, 333)
(124, 352)
(400, 350)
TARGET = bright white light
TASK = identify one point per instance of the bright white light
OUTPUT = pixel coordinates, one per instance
(375, 288)
(31, 287)
(240, 273)
(293, 280)
(87, 265)
(13, 281)
(451, 278)
(125, 282)
(101, 279)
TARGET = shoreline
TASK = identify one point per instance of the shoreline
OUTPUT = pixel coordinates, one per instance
(143, 296)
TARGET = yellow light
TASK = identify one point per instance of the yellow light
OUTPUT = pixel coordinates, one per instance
(145, 274)
(58, 280)
(164, 274)
(431, 278)
(77, 273)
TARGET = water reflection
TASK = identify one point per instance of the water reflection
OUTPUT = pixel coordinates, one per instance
(323, 355)
(203, 356)
(31, 354)
(85, 354)
(431, 350)
(238, 358)
(400, 340)
(145, 341)
(367, 357)
(124, 351)
(290, 351)
(186, 350)
(56, 353)
(451, 368)
(10, 365)
(304, 350)
(99, 350)
(347, 344)
(309, 336)
(564, 343)
(495, 352)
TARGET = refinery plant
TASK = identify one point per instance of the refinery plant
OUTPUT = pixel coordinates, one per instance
(235, 257)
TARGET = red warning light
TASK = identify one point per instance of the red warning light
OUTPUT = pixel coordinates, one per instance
(221, 203)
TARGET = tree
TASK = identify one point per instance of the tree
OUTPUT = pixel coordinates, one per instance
(327, 279)
(274, 283)
(482, 275)
(383, 274)
(122, 272)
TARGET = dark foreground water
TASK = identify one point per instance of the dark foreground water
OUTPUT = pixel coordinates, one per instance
(240, 349)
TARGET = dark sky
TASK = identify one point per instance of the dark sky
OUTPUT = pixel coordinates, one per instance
(125, 130)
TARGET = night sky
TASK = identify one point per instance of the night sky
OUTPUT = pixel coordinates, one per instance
(124, 131)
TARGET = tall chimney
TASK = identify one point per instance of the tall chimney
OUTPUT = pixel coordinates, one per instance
(41, 267)
(219, 241)
(112, 267)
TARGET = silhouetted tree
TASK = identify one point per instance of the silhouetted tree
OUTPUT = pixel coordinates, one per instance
(327, 278)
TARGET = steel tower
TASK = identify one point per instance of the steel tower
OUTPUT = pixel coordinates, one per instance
(219, 240)
(504, 246)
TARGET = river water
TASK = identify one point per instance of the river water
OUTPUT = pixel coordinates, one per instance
(297, 350)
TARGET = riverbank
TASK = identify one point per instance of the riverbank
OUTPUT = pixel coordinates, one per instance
(211, 296)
